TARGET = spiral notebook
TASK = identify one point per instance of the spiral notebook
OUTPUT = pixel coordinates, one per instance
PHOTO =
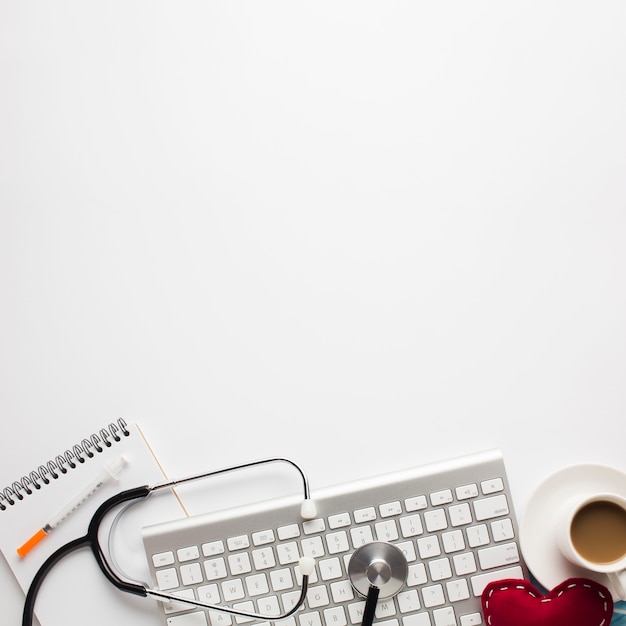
(75, 586)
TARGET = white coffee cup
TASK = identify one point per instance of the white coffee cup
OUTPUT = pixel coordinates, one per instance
(591, 533)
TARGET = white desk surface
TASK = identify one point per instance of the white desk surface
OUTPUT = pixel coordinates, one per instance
(364, 235)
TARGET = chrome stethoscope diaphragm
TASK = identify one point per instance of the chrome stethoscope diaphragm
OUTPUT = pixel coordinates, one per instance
(377, 570)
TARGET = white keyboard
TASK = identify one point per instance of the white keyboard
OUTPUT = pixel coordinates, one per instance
(454, 522)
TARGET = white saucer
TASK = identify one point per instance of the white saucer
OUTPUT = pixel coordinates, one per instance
(537, 524)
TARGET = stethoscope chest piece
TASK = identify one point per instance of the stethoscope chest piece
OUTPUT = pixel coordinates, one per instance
(378, 564)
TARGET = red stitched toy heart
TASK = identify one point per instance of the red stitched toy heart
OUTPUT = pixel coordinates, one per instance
(575, 602)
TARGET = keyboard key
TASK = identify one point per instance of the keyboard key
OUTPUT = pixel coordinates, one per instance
(487, 508)
(238, 543)
(497, 556)
(189, 619)
(411, 525)
(263, 558)
(408, 601)
(491, 486)
(466, 492)
(388, 622)
(239, 563)
(444, 617)
(460, 514)
(361, 535)
(477, 536)
(310, 619)
(457, 590)
(217, 618)
(247, 606)
(435, 520)
(433, 596)
(191, 574)
(317, 596)
(428, 546)
(289, 599)
(288, 553)
(257, 584)
(355, 610)
(189, 553)
(501, 530)
(263, 537)
(480, 581)
(337, 542)
(441, 497)
(341, 520)
(416, 503)
(176, 607)
(268, 606)
(291, 531)
(417, 575)
(330, 569)
(213, 548)
(342, 591)
(313, 546)
(471, 619)
(408, 549)
(281, 579)
(390, 509)
(335, 616)
(386, 531)
(215, 569)
(439, 569)
(365, 515)
(167, 579)
(385, 608)
(464, 563)
(163, 558)
(314, 526)
(233, 590)
(453, 541)
(417, 619)
(209, 594)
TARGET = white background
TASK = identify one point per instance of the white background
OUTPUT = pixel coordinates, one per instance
(365, 235)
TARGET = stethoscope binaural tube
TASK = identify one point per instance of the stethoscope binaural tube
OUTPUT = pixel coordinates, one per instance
(90, 540)
(307, 510)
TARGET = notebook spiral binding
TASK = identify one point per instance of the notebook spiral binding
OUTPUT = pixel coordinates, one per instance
(62, 463)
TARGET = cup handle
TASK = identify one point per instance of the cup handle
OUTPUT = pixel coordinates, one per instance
(618, 584)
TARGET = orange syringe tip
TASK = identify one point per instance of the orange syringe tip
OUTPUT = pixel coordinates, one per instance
(31, 543)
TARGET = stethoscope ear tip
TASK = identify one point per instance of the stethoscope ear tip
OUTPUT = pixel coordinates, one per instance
(308, 510)
(307, 565)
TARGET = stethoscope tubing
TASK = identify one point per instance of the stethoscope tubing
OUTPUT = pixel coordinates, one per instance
(90, 540)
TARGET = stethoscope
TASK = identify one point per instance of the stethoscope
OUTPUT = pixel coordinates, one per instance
(376, 570)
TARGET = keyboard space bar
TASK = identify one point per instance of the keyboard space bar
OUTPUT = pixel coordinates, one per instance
(189, 619)
(482, 580)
